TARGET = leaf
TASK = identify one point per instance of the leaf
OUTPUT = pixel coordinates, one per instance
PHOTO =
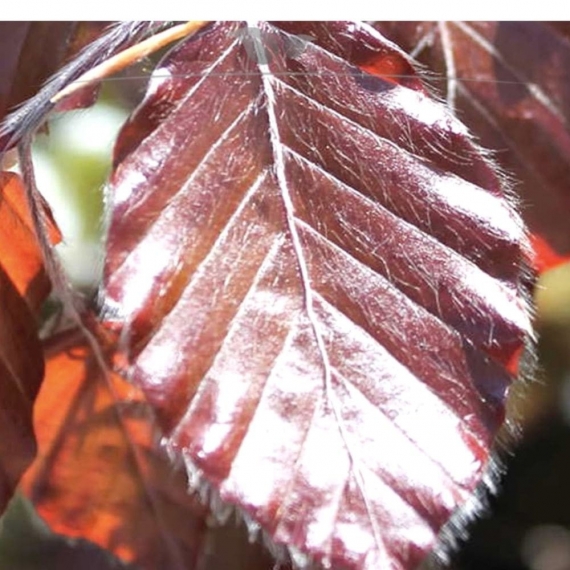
(21, 371)
(23, 287)
(317, 279)
(32, 51)
(509, 83)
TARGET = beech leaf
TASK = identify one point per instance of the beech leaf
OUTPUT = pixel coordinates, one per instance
(317, 279)
(21, 371)
(34, 50)
(31, 52)
(20, 254)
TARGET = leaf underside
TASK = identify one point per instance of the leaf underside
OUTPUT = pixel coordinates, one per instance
(316, 275)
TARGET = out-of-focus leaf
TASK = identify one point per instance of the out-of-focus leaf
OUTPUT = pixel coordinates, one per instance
(19, 252)
(99, 473)
(23, 287)
(21, 371)
(510, 83)
(319, 274)
(32, 51)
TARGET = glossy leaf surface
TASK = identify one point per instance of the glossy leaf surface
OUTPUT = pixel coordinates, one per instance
(319, 275)
(509, 82)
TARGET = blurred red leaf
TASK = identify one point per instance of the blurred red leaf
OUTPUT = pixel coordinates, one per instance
(23, 287)
(21, 371)
(319, 274)
(510, 83)
(34, 50)
(31, 52)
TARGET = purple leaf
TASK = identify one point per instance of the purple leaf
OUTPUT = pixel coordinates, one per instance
(317, 278)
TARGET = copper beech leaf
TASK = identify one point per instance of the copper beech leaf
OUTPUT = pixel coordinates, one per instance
(317, 279)
(21, 371)
(509, 82)
(20, 254)
(31, 51)
(23, 287)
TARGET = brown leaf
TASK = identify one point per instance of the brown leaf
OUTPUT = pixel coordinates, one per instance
(509, 82)
(317, 278)
(32, 51)
(21, 371)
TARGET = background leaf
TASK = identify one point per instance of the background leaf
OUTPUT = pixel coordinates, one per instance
(320, 276)
(509, 82)
(33, 51)
(21, 370)
(23, 287)
(20, 255)
(41, 48)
